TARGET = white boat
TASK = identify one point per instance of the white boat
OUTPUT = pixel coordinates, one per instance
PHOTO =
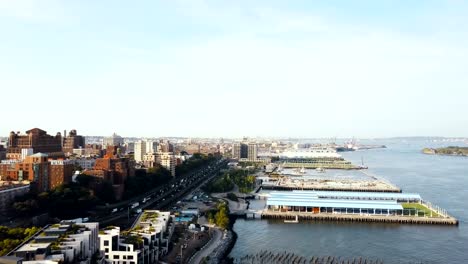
(320, 169)
(279, 169)
(298, 171)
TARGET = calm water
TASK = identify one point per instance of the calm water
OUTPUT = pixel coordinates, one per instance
(439, 179)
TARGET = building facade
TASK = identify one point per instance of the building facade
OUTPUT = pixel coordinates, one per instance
(36, 139)
(245, 151)
(44, 174)
(140, 151)
(114, 169)
(114, 140)
(146, 242)
(72, 141)
(66, 242)
(61, 171)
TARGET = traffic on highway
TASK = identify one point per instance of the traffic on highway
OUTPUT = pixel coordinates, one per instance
(160, 197)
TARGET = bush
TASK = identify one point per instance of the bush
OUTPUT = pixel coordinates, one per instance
(232, 197)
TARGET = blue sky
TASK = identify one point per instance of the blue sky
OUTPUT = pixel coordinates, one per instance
(234, 68)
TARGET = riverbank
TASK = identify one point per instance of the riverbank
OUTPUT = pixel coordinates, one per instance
(448, 151)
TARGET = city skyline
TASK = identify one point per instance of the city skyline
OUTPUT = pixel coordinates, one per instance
(220, 69)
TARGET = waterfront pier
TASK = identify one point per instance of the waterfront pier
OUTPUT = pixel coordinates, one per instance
(288, 184)
(267, 214)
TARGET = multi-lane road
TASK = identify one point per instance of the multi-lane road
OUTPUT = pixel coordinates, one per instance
(161, 197)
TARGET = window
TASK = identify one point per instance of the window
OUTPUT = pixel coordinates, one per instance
(130, 257)
(106, 242)
(107, 250)
(116, 256)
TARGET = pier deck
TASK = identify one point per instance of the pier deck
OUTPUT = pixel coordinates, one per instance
(267, 214)
(332, 185)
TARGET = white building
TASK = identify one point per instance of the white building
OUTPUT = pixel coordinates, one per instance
(140, 150)
(145, 243)
(85, 163)
(151, 146)
(67, 242)
(114, 140)
(168, 161)
(313, 152)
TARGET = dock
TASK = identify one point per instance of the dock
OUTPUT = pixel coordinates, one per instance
(267, 214)
(288, 184)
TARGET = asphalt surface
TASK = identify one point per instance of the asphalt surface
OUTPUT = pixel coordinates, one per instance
(161, 197)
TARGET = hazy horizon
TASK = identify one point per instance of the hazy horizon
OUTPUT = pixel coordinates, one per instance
(299, 69)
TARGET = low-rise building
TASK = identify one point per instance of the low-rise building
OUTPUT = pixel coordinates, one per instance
(144, 243)
(67, 242)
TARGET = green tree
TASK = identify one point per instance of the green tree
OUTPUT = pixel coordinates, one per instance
(222, 216)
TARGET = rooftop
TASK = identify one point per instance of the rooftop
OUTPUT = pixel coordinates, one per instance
(361, 195)
(311, 199)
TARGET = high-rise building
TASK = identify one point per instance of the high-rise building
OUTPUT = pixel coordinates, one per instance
(44, 174)
(72, 141)
(114, 140)
(252, 151)
(168, 161)
(151, 146)
(165, 146)
(114, 169)
(61, 171)
(140, 151)
(245, 151)
(36, 139)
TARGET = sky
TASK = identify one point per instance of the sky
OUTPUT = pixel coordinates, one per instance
(201, 68)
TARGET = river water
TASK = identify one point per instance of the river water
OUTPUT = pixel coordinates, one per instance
(442, 180)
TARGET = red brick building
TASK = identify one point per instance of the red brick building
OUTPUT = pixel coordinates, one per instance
(114, 169)
(72, 141)
(44, 174)
(35, 139)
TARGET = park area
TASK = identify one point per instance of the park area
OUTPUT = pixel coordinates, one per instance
(418, 210)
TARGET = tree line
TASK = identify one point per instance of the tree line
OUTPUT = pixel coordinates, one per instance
(10, 238)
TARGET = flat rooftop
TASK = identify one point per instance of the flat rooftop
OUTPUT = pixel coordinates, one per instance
(311, 199)
(350, 195)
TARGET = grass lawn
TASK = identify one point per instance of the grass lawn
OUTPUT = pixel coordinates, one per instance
(422, 209)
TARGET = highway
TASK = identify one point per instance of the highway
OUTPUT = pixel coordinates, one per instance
(161, 197)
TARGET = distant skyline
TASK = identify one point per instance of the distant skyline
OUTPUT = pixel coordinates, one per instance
(300, 69)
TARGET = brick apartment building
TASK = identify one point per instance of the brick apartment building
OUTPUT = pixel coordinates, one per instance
(44, 174)
(72, 141)
(35, 139)
(114, 169)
